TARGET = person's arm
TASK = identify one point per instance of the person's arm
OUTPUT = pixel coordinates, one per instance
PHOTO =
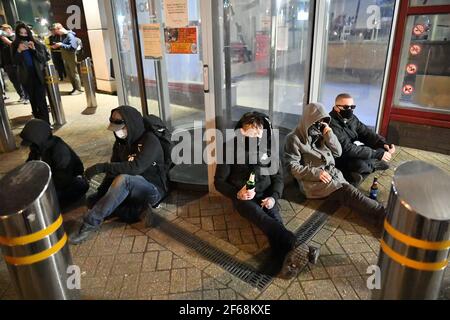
(369, 137)
(293, 158)
(351, 150)
(6, 41)
(39, 52)
(72, 43)
(60, 162)
(221, 181)
(332, 142)
(150, 150)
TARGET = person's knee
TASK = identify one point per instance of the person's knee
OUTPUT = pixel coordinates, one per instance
(121, 180)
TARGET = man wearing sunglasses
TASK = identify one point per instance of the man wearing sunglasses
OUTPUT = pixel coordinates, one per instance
(363, 150)
(135, 179)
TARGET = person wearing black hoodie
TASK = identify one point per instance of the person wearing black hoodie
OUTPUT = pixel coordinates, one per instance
(259, 205)
(67, 168)
(135, 176)
(30, 56)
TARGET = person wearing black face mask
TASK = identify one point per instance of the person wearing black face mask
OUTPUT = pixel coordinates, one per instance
(30, 56)
(358, 160)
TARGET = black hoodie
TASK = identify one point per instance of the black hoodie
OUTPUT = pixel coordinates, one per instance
(140, 153)
(230, 178)
(63, 161)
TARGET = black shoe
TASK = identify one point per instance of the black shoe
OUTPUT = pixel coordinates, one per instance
(296, 260)
(80, 90)
(313, 254)
(86, 231)
(381, 165)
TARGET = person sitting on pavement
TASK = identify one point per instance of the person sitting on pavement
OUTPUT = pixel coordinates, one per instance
(66, 167)
(134, 179)
(259, 205)
(364, 151)
(310, 151)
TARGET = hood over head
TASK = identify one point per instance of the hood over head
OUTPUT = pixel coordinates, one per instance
(36, 132)
(312, 113)
(133, 121)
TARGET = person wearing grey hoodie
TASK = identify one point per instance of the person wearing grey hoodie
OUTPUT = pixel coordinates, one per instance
(310, 151)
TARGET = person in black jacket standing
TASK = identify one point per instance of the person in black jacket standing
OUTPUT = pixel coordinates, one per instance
(31, 56)
(134, 175)
(258, 205)
(371, 152)
(67, 168)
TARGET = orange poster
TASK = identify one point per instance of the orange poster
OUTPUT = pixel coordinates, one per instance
(181, 40)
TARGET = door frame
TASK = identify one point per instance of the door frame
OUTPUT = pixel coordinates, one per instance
(393, 112)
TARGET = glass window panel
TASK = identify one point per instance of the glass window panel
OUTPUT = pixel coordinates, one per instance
(423, 80)
(356, 53)
(126, 46)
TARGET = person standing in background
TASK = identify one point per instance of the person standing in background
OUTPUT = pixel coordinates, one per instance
(57, 59)
(30, 56)
(69, 47)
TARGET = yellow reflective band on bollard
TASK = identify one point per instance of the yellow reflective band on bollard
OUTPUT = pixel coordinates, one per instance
(414, 242)
(52, 80)
(20, 241)
(21, 261)
(405, 261)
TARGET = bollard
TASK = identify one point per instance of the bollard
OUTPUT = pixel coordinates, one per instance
(87, 76)
(416, 238)
(7, 140)
(32, 237)
(54, 96)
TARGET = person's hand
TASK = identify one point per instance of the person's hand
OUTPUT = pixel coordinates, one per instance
(326, 128)
(389, 148)
(268, 203)
(94, 170)
(325, 177)
(387, 156)
(22, 47)
(245, 194)
(31, 45)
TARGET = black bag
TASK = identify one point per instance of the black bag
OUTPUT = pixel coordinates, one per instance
(158, 127)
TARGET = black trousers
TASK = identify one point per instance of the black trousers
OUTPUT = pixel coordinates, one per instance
(13, 75)
(59, 64)
(270, 222)
(361, 166)
(73, 192)
(351, 197)
(36, 92)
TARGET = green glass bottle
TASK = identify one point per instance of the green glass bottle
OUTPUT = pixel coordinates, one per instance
(250, 185)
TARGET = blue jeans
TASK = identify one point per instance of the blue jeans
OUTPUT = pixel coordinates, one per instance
(124, 186)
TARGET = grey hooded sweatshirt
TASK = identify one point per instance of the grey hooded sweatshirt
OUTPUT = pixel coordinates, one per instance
(306, 159)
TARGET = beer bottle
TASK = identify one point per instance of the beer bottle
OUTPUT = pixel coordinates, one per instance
(250, 184)
(374, 189)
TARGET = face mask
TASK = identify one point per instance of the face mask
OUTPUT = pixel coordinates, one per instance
(346, 114)
(121, 134)
(24, 38)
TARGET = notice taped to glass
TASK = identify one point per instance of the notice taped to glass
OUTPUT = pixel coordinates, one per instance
(181, 40)
(176, 13)
(152, 40)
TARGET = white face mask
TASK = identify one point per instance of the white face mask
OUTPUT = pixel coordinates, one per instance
(121, 134)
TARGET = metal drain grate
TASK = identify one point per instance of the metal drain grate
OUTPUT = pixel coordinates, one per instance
(224, 260)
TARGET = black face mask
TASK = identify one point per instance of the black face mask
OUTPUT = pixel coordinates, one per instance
(24, 38)
(346, 114)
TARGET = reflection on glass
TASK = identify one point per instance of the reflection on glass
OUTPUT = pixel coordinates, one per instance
(356, 53)
(125, 41)
(252, 75)
(419, 3)
(423, 80)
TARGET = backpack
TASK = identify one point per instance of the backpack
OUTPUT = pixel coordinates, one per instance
(155, 125)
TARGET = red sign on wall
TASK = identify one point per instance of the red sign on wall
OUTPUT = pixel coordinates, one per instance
(408, 89)
(411, 68)
(415, 49)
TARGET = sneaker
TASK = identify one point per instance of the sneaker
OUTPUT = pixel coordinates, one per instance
(381, 165)
(74, 92)
(295, 261)
(85, 232)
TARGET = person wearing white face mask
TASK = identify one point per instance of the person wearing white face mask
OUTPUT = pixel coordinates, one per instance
(134, 178)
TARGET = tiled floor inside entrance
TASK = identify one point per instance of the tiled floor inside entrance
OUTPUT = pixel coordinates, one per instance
(134, 262)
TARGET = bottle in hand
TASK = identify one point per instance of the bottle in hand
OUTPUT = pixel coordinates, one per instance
(250, 185)
(373, 194)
